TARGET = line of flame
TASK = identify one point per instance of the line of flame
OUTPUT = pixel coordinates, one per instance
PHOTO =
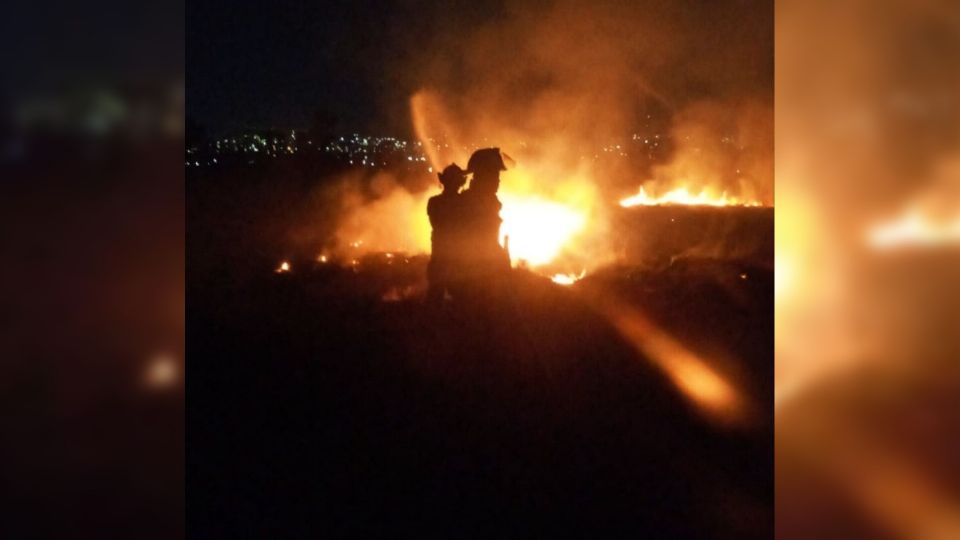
(683, 196)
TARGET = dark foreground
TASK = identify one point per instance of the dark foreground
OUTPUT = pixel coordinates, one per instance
(331, 403)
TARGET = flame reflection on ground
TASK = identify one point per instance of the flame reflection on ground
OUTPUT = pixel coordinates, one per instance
(692, 375)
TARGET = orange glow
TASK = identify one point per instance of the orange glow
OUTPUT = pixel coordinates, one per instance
(698, 381)
(551, 191)
(809, 291)
(916, 229)
(161, 371)
(783, 276)
(683, 196)
(284, 267)
(567, 279)
(546, 208)
(692, 375)
(538, 228)
(423, 108)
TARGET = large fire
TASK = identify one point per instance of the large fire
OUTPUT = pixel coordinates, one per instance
(683, 196)
(537, 228)
(547, 210)
(554, 218)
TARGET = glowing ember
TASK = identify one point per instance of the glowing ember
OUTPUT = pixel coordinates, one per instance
(683, 196)
(322, 258)
(567, 279)
(284, 267)
(538, 228)
(916, 229)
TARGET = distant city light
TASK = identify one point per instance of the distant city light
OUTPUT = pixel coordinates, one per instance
(375, 151)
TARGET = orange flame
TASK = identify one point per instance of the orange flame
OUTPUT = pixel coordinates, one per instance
(567, 279)
(916, 229)
(538, 228)
(683, 196)
(542, 215)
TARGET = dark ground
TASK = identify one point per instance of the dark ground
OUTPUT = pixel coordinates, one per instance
(318, 409)
(94, 230)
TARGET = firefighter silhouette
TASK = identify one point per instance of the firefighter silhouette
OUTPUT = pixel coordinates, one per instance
(467, 261)
(484, 262)
(445, 213)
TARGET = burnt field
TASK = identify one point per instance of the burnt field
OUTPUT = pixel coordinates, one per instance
(328, 400)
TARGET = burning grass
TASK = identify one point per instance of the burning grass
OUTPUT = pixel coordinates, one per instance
(684, 196)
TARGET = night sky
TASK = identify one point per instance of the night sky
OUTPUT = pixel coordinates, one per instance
(275, 64)
(55, 45)
(262, 64)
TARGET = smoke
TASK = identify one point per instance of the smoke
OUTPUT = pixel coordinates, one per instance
(557, 82)
(380, 214)
(563, 87)
(723, 147)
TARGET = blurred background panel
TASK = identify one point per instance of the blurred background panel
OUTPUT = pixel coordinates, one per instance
(91, 214)
(867, 253)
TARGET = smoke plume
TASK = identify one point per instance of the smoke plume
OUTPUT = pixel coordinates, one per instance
(564, 88)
